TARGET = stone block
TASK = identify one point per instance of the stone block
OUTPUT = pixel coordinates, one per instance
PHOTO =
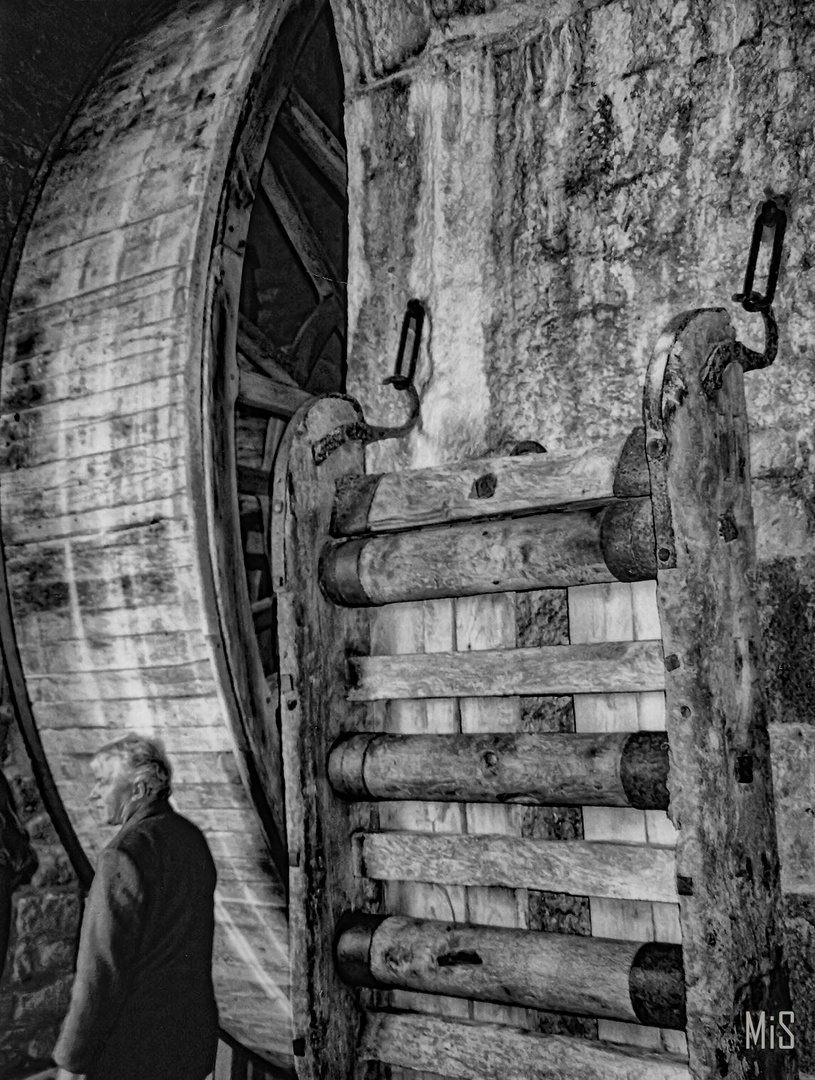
(37, 959)
(48, 915)
(45, 1005)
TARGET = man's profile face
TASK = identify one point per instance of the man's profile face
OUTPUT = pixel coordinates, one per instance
(112, 789)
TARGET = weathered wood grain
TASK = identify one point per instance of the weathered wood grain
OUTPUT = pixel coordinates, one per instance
(554, 669)
(273, 395)
(314, 636)
(480, 1051)
(491, 486)
(300, 122)
(468, 559)
(721, 782)
(584, 976)
(498, 765)
(578, 867)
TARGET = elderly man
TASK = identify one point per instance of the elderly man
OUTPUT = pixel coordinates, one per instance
(142, 1006)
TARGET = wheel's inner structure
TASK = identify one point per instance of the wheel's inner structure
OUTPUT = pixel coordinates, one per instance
(292, 301)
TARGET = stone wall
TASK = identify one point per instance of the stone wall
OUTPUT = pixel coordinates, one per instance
(555, 182)
(36, 981)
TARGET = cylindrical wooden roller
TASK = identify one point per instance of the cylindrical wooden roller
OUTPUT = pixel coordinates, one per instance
(577, 547)
(609, 769)
(489, 487)
(566, 973)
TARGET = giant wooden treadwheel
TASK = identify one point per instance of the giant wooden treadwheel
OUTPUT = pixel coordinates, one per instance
(178, 295)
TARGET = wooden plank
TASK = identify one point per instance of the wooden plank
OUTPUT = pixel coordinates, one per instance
(484, 488)
(608, 613)
(38, 628)
(256, 347)
(299, 230)
(553, 669)
(90, 474)
(577, 867)
(721, 780)
(300, 122)
(88, 265)
(21, 446)
(87, 740)
(185, 680)
(276, 397)
(480, 1051)
(403, 628)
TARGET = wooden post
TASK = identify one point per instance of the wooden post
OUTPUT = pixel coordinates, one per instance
(615, 542)
(557, 972)
(615, 769)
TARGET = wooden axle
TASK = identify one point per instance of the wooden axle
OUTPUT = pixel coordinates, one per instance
(578, 547)
(613, 769)
(507, 485)
(566, 973)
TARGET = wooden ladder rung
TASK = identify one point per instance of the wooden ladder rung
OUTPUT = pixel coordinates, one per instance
(576, 867)
(492, 486)
(540, 551)
(469, 1050)
(602, 668)
(636, 982)
(618, 768)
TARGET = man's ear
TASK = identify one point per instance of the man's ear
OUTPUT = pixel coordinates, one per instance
(139, 789)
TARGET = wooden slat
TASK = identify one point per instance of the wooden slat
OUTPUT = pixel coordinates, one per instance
(483, 488)
(554, 669)
(299, 230)
(428, 628)
(301, 123)
(609, 613)
(256, 347)
(473, 558)
(263, 392)
(480, 1051)
(577, 867)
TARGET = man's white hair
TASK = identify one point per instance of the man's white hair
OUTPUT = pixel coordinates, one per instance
(143, 758)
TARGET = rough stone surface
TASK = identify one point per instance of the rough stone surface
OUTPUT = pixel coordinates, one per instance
(45, 918)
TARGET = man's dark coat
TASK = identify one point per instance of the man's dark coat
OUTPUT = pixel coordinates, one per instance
(142, 1006)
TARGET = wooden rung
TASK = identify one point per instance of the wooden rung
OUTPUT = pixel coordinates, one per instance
(576, 867)
(586, 477)
(262, 392)
(578, 547)
(470, 1050)
(550, 769)
(602, 668)
(584, 976)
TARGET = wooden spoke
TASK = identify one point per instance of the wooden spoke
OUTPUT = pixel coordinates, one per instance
(261, 392)
(304, 127)
(261, 353)
(313, 335)
(299, 230)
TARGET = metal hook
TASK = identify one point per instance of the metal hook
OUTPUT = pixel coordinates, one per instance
(367, 433)
(771, 216)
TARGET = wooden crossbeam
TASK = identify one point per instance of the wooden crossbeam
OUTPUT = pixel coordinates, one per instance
(551, 769)
(612, 543)
(605, 668)
(583, 976)
(505, 485)
(576, 867)
(465, 1050)
(299, 230)
(302, 124)
(262, 392)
